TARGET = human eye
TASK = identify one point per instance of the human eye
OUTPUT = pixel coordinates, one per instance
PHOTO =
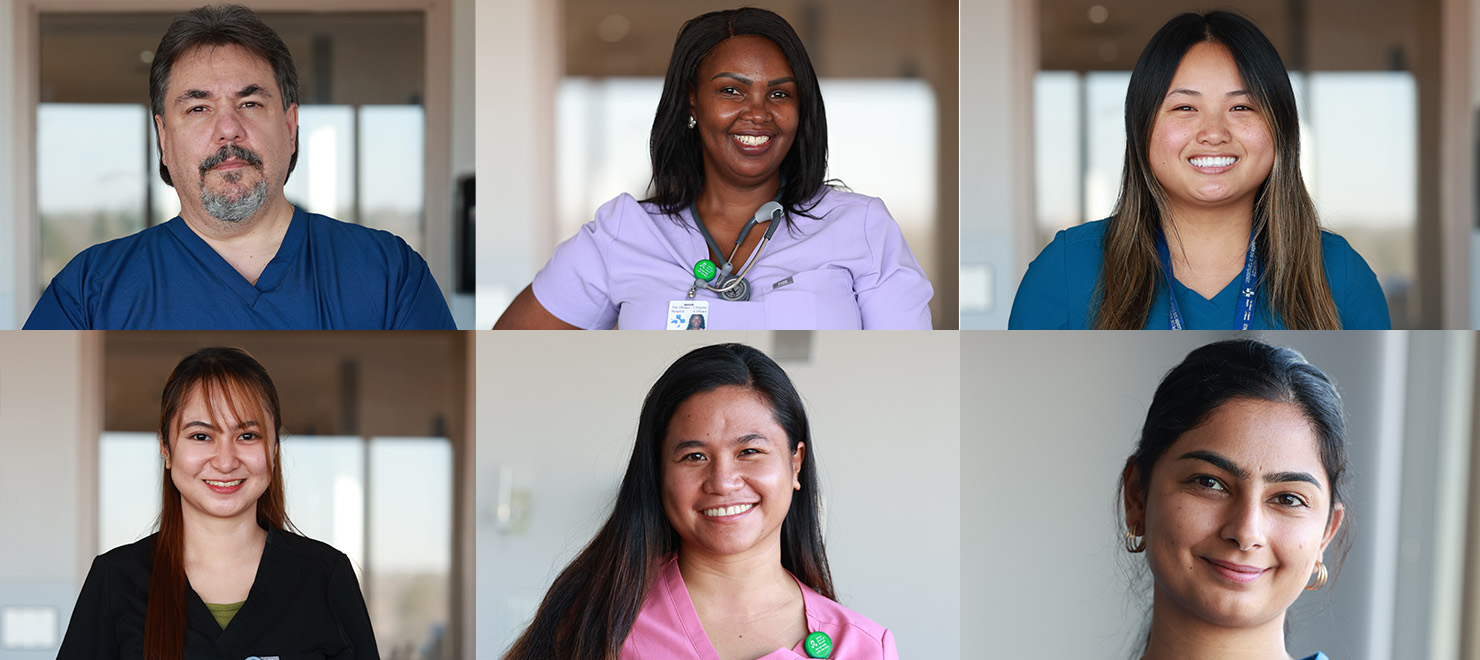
(780, 94)
(251, 104)
(692, 457)
(1207, 482)
(199, 437)
(195, 109)
(248, 437)
(1291, 500)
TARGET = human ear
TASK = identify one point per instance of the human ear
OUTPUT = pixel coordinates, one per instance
(164, 452)
(796, 465)
(1338, 513)
(292, 119)
(1134, 499)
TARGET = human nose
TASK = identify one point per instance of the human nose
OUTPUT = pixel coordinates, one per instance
(225, 458)
(1244, 525)
(757, 109)
(723, 477)
(1213, 129)
(229, 127)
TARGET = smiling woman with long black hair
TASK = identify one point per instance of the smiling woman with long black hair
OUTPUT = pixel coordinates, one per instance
(1214, 228)
(713, 548)
(740, 124)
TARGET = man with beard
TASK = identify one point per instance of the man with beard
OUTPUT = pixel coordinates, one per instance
(224, 95)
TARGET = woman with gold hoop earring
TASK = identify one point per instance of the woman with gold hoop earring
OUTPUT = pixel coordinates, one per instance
(1234, 494)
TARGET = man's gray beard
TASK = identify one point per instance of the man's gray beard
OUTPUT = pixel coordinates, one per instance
(227, 209)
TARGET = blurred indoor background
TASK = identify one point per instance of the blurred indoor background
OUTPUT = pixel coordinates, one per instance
(1054, 417)
(377, 440)
(555, 435)
(567, 90)
(385, 128)
(1387, 93)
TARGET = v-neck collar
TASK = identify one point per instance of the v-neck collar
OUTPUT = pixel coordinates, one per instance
(264, 584)
(218, 267)
(693, 628)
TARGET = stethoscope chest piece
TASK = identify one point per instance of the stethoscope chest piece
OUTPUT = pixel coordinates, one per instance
(735, 288)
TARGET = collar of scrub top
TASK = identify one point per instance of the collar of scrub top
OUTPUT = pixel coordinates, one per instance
(768, 212)
(1243, 316)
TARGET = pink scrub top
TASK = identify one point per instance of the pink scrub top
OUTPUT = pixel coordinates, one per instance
(668, 628)
(848, 268)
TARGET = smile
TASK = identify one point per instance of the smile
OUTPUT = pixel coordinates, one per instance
(752, 140)
(1236, 572)
(224, 484)
(1212, 161)
(732, 510)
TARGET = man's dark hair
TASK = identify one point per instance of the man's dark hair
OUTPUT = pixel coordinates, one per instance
(220, 25)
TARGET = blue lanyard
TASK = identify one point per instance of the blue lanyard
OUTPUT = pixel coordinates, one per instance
(1244, 316)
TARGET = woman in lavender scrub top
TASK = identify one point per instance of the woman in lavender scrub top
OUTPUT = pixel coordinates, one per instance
(1234, 494)
(713, 549)
(740, 124)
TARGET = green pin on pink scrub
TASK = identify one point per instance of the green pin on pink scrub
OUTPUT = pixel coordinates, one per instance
(705, 270)
(818, 645)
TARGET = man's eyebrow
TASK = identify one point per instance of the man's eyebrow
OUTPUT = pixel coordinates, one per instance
(192, 94)
(250, 90)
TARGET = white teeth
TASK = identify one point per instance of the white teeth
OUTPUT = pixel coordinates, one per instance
(753, 140)
(1212, 161)
(728, 511)
(225, 484)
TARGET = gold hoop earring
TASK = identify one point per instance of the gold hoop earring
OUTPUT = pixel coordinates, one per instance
(1319, 579)
(1133, 543)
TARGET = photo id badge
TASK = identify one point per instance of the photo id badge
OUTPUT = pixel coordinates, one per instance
(688, 314)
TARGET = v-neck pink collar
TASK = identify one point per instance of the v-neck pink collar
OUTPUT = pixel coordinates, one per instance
(670, 580)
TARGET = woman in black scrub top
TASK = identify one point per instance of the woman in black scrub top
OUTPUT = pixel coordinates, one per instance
(223, 577)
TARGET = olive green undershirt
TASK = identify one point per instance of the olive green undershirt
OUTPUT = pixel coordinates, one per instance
(223, 613)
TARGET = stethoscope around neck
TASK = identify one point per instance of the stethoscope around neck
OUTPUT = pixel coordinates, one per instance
(719, 278)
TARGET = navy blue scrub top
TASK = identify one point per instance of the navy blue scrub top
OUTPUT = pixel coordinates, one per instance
(1058, 291)
(326, 275)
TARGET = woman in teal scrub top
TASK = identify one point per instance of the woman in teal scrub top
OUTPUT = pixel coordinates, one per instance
(1233, 495)
(1214, 228)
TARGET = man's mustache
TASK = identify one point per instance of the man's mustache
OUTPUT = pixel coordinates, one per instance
(227, 152)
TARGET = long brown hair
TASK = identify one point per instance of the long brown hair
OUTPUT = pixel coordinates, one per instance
(592, 605)
(214, 374)
(1286, 227)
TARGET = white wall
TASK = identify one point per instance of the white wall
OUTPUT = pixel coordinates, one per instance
(519, 61)
(999, 47)
(9, 239)
(557, 418)
(1058, 413)
(50, 415)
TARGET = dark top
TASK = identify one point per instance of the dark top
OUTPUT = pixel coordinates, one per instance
(326, 275)
(304, 603)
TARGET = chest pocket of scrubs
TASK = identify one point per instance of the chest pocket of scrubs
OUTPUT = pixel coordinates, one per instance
(815, 299)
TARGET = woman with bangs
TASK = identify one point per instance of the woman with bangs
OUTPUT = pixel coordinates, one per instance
(1214, 228)
(223, 577)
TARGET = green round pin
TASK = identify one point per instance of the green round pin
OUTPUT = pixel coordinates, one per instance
(705, 270)
(818, 645)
